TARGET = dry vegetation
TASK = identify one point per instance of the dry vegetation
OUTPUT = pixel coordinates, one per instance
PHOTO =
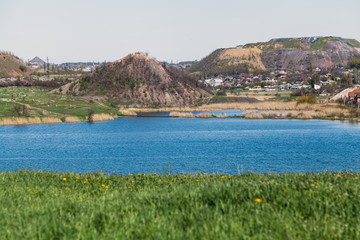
(28, 120)
(181, 114)
(266, 110)
(203, 115)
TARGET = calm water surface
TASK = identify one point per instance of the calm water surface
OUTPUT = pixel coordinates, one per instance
(133, 145)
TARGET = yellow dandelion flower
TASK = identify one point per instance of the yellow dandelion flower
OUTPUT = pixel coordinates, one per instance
(77, 178)
(103, 185)
(128, 183)
(106, 186)
(229, 176)
(317, 184)
(197, 180)
(139, 174)
(27, 187)
(258, 200)
(64, 179)
(84, 181)
(81, 181)
(222, 176)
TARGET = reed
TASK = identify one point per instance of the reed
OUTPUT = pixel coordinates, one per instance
(223, 115)
(28, 120)
(203, 115)
(252, 115)
(270, 114)
(127, 112)
(50, 120)
(181, 114)
(72, 119)
(101, 117)
(304, 116)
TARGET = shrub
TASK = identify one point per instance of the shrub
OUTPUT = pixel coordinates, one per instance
(306, 99)
(90, 116)
(22, 68)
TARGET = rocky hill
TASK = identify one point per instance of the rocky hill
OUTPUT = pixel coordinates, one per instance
(283, 53)
(140, 81)
(12, 66)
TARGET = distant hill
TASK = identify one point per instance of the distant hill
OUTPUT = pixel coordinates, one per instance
(37, 61)
(139, 80)
(12, 66)
(282, 53)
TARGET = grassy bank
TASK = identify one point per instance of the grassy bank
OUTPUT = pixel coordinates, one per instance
(40, 103)
(43, 205)
(25, 105)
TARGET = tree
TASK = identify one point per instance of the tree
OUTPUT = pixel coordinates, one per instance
(356, 75)
(354, 63)
(90, 116)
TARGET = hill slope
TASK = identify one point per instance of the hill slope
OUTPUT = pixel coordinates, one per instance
(139, 80)
(11, 66)
(283, 53)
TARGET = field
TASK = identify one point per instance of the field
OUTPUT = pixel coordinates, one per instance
(46, 205)
(40, 103)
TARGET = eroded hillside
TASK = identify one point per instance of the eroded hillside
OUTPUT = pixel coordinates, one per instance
(11, 66)
(139, 80)
(283, 53)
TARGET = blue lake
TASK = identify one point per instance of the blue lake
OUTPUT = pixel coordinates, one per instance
(147, 145)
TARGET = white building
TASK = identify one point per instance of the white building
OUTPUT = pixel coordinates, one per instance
(214, 82)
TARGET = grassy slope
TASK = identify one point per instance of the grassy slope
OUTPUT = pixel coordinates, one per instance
(353, 42)
(57, 105)
(293, 206)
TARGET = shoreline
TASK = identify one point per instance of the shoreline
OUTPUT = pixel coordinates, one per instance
(19, 121)
(22, 121)
(268, 110)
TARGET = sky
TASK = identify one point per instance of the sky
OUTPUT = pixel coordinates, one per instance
(107, 30)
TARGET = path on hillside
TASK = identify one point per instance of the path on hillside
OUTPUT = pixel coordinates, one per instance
(44, 111)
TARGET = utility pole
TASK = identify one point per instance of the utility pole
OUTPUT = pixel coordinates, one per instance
(47, 61)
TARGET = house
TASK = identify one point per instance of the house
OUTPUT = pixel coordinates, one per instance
(214, 82)
(354, 95)
(317, 87)
(36, 62)
(357, 98)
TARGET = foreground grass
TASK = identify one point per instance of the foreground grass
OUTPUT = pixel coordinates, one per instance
(45, 205)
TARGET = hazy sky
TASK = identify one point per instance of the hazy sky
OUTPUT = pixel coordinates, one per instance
(87, 30)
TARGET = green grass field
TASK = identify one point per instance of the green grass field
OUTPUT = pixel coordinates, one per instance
(46, 205)
(55, 105)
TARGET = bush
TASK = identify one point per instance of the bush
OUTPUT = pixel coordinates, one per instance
(90, 116)
(221, 93)
(22, 68)
(306, 99)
